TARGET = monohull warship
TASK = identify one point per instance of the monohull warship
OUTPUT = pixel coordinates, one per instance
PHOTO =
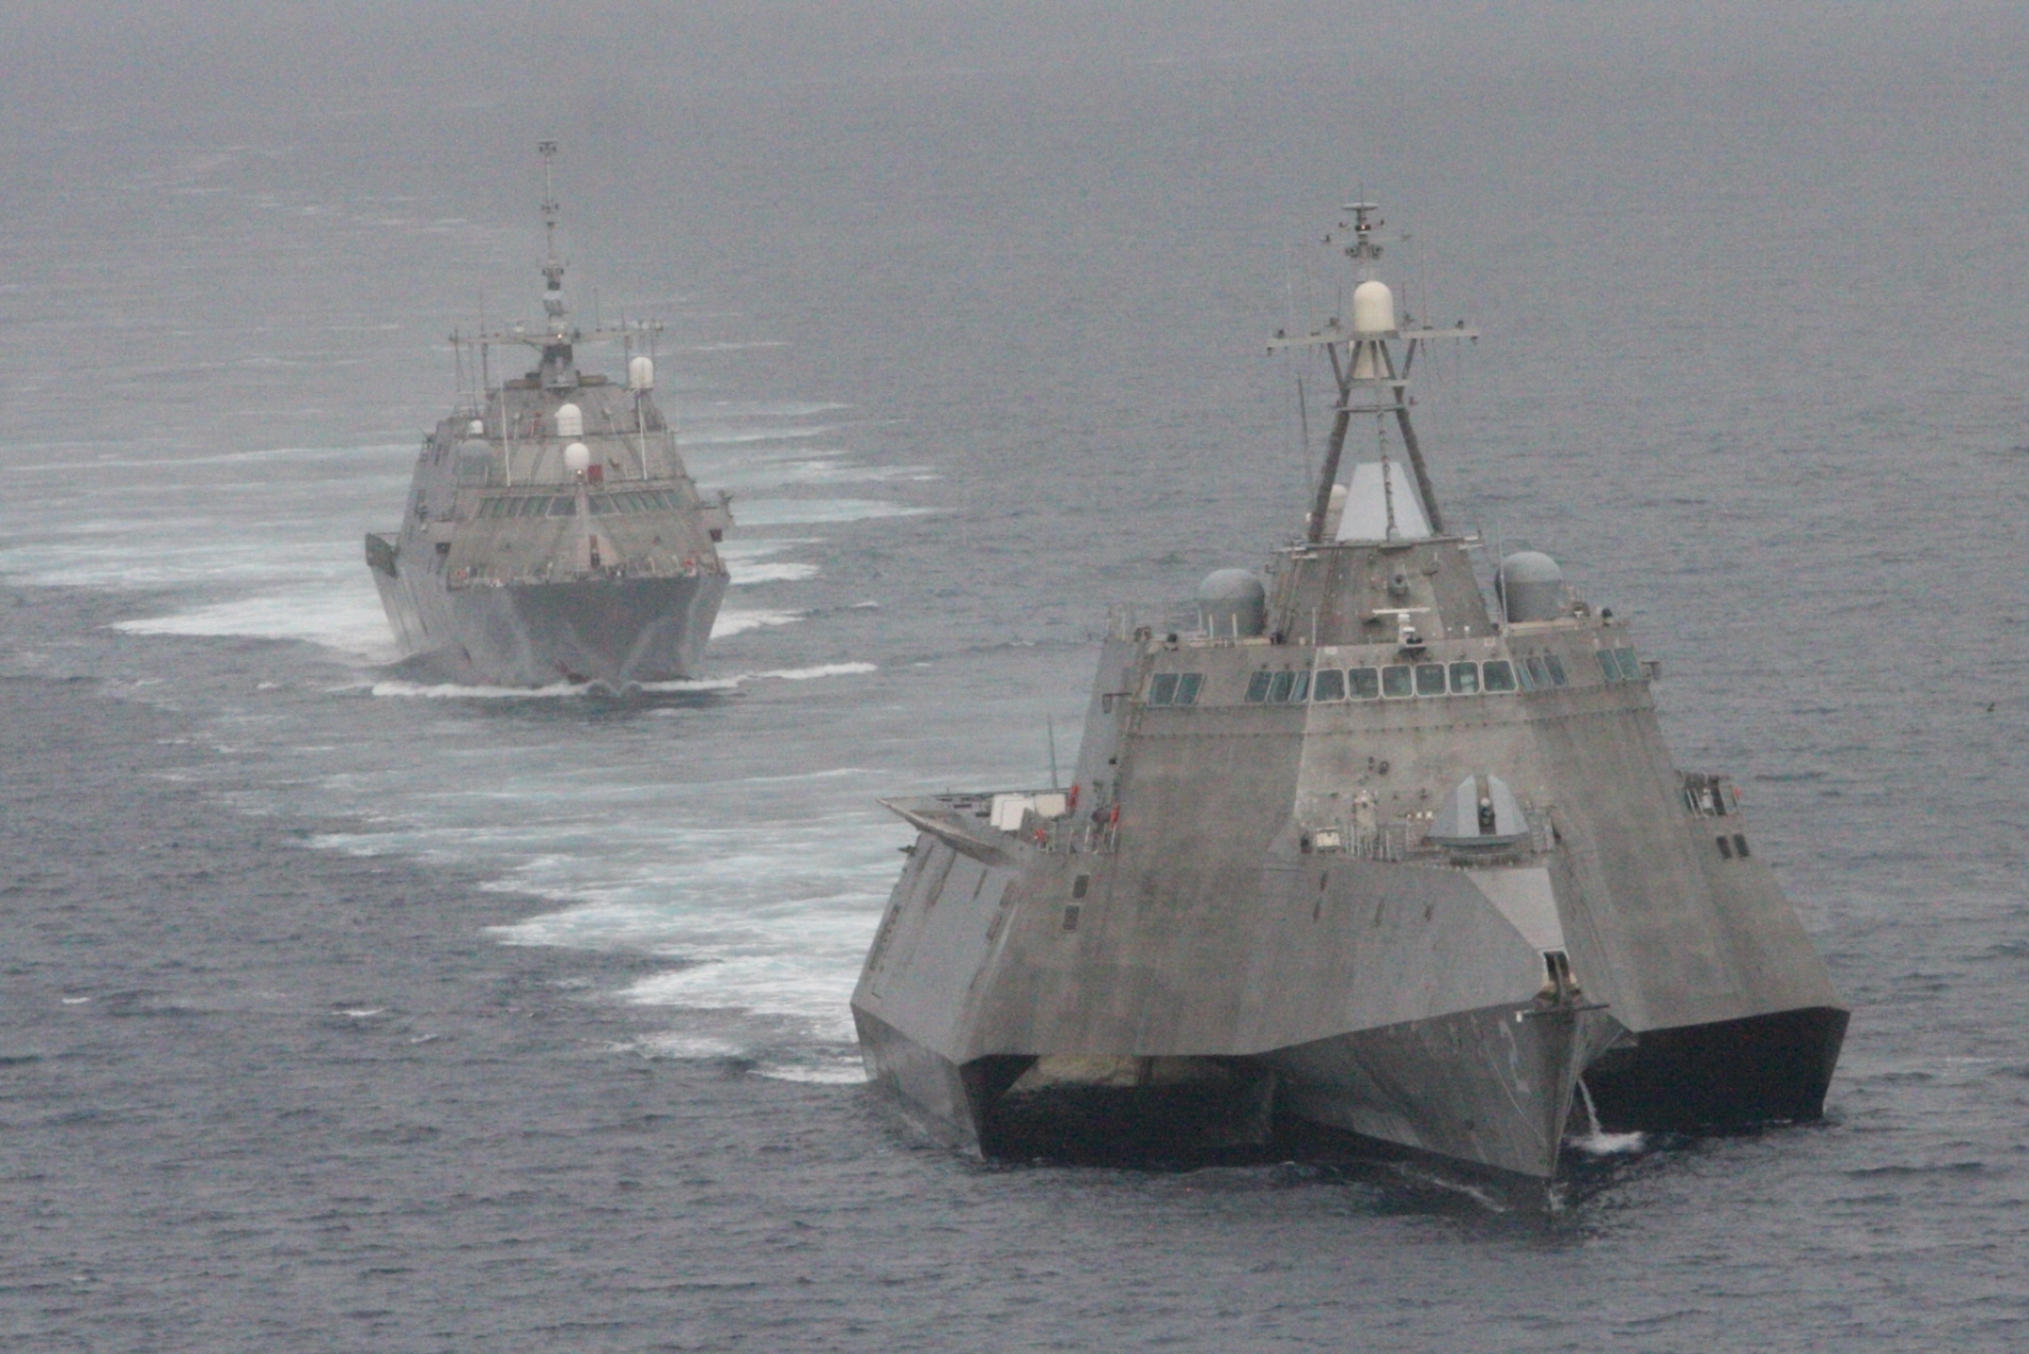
(553, 532)
(1363, 849)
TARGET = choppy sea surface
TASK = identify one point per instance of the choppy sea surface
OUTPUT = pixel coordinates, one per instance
(342, 1010)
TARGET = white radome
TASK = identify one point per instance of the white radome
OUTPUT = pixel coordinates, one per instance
(1373, 309)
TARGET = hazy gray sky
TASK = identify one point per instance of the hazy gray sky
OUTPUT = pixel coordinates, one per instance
(198, 66)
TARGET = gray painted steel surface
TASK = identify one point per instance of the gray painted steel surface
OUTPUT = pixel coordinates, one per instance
(1243, 891)
(553, 532)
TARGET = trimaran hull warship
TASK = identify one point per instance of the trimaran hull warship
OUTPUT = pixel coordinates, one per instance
(553, 532)
(1360, 850)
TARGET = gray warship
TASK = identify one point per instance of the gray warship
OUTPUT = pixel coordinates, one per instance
(1368, 853)
(553, 532)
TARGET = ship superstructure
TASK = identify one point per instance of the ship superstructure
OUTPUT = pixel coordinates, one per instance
(553, 532)
(1363, 848)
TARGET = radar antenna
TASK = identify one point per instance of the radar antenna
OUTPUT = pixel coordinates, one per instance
(1362, 359)
(556, 336)
(553, 266)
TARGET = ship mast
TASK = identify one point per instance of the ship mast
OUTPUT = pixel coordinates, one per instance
(552, 266)
(557, 335)
(1363, 365)
(558, 369)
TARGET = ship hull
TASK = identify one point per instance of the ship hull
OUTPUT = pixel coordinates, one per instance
(1488, 1090)
(1402, 1006)
(614, 631)
(1443, 1001)
(995, 1049)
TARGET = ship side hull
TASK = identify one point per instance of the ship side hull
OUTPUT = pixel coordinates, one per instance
(1724, 1074)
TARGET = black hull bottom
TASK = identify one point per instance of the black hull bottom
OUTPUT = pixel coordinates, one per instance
(1730, 1074)
(1193, 1111)
(1226, 1114)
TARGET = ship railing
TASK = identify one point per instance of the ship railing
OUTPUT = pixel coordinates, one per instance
(1380, 841)
(1709, 795)
(1384, 841)
(1406, 841)
(1145, 620)
(1072, 835)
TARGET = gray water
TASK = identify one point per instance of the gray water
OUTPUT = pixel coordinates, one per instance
(343, 1011)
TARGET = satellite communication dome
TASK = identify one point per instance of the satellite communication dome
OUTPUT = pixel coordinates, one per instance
(641, 373)
(1232, 603)
(1531, 586)
(476, 428)
(570, 421)
(577, 458)
(1373, 309)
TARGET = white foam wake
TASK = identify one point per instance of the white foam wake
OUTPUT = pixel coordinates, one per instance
(783, 572)
(778, 512)
(739, 622)
(344, 617)
(397, 687)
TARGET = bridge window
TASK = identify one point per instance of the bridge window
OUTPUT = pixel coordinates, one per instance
(1500, 675)
(1365, 683)
(1330, 685)
(1257, 687)
(1465, 679)
(1556, 667)
(561, 507)
(1620, 665)
(1430, 679)
(1187, 687)
(1163, 690)
(1397, 681)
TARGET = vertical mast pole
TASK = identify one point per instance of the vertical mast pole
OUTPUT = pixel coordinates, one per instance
(1409, 442)
(1334, 446)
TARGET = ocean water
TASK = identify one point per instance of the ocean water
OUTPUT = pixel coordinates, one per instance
(347, 1010)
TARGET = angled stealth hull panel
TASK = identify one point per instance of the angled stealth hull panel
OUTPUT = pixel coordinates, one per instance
(1355, 848)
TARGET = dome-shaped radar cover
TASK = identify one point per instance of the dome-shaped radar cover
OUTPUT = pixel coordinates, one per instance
(1373, 309)
(1531, 587)
(1232, 602)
